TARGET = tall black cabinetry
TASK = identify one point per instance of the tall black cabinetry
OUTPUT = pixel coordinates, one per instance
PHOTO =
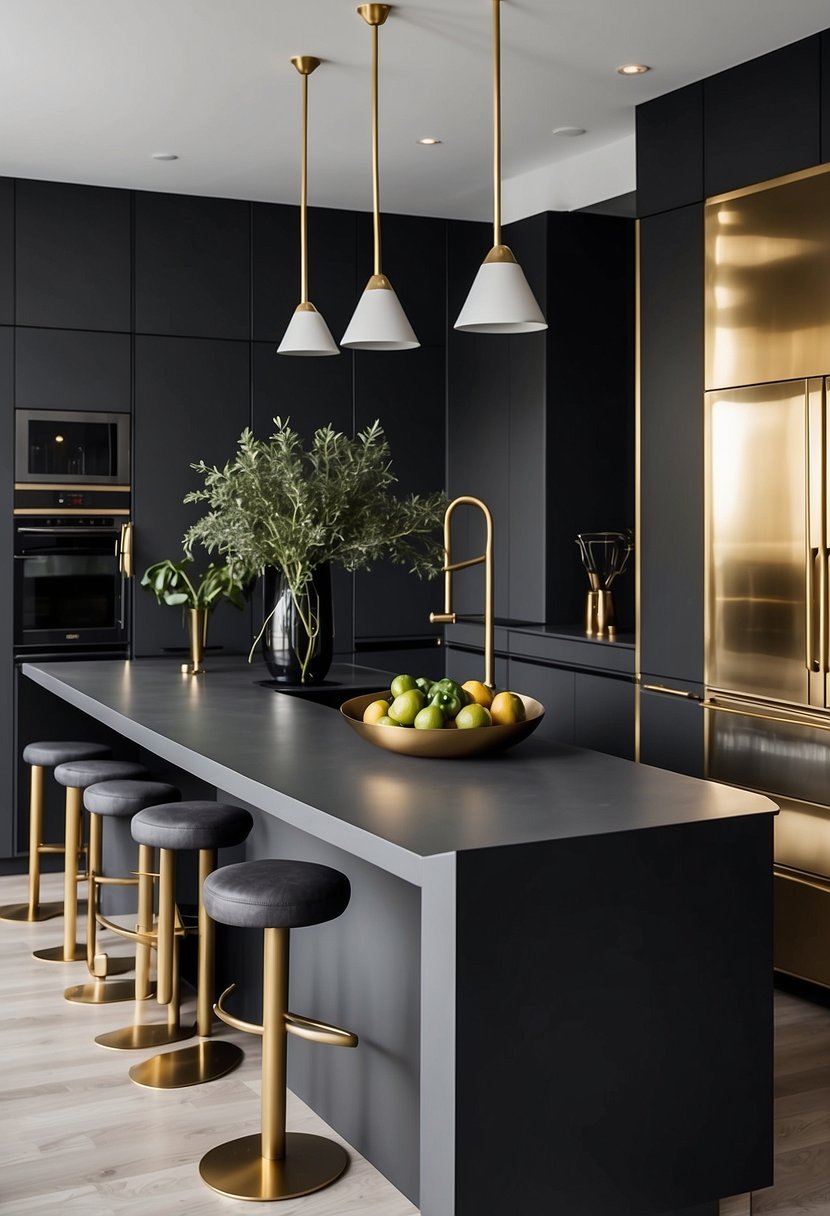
(7, 715)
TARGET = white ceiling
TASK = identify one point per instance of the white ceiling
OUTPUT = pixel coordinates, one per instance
(89, 89)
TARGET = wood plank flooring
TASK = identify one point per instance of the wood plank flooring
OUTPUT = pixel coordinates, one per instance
(77, 1136)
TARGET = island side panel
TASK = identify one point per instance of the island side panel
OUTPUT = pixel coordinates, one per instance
(360, 971)
(614, 1021)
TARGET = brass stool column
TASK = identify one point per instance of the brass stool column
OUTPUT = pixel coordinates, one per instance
(115, 800)
(76, 775)
(41, 756)
(276, 896)
(206, 826)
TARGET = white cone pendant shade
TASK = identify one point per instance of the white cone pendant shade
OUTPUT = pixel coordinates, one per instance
(379, 322)
(307, 334)
(500, 300)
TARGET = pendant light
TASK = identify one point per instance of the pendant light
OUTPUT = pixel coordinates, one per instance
(307, 332)
(379, 322)
(500, 299)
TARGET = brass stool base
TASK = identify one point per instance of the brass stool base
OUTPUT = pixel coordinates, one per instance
(143, 1035)
(55, 954)
(205, 1061)
(20, 912)
(239, 1170)
(103, 992)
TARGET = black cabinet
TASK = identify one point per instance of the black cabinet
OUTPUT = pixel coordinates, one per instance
(462, 665)
(192, 266)
(554, 687)
(67, 369)
(275, 285)
(672, 732)
(6, 251)
(604, 714)
(761, 119)
(191, 403)
(72, 256)
(672, 467)
(825, 97)
(7, 717)
(670, 150)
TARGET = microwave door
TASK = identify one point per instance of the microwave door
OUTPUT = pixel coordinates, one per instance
(763, 624)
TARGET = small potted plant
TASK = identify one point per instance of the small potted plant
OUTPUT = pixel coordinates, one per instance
(288, 512)
(197, 595)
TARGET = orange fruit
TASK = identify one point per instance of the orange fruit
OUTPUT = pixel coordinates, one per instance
(472, 716)
(507, 708)
(375, 710)
(481, 694)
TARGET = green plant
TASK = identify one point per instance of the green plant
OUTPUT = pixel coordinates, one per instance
(279, 504)
(170, 583)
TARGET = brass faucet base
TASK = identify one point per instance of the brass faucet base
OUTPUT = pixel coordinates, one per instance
(144, 1035)
(101, 992)
(238, 1169)
(205, 1061)
(59, 954)
(22, 912)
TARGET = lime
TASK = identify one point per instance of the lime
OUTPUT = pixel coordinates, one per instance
(386, 721)
(405, 708)
(472, 716)
(401, 684)
(375, 710)
(429, 718)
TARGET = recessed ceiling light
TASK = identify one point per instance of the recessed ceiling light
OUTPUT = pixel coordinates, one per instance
(633, 69)
(165, 156)
(429, 142)
(571, 132)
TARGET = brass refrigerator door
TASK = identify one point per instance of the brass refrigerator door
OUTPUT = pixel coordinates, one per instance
(763, 619)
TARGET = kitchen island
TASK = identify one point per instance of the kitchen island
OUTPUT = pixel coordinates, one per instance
(559, 962)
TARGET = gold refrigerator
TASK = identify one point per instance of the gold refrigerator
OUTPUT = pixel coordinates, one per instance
(767, 446)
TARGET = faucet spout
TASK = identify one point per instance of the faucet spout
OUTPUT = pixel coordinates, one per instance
(448, 616)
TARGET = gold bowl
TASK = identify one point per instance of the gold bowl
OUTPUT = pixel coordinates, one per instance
(440, 744)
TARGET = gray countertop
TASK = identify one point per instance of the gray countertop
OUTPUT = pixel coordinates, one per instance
(301, 762)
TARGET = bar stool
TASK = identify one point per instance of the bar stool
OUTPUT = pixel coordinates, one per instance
(118, 800)
(76, 775)
(171, 827)
(41, 756)
(276, 896)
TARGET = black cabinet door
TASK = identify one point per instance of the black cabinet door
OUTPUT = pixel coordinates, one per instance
(554, 687)
(672, 473)
(604, 714)
(762, 119)
(672, 732)
(406, 392)
(192, 266)
(6, 251)
(68, 369)
(191, 403)
(670, 150)
(7, 717)
(461, 665)
(73, 256)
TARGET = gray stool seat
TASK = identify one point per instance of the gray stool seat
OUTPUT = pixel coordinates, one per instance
(275, 894)
(120, 799)
(79, 774)
(192, 825)
(49, 754)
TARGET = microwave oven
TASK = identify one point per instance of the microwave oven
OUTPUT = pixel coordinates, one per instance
(69, 448)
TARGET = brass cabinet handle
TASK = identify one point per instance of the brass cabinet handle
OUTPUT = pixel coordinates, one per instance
(672, 692)
(795, 720)
(125, 560)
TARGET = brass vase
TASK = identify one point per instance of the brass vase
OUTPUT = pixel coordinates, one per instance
(197, 623)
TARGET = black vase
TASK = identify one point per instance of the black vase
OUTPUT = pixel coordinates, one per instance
(298, 641)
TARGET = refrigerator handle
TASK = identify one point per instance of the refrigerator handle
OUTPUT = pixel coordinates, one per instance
(809, 606)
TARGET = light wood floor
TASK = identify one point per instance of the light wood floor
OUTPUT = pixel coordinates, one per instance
(76, 1135)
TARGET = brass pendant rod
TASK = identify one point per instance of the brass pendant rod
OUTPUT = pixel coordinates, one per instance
(496, 122)
(304, 200)
(375, 169)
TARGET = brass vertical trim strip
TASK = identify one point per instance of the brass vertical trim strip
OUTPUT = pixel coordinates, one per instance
(496, 122)
(638, 371)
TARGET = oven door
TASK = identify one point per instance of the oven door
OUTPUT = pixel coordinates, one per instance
(69, 590)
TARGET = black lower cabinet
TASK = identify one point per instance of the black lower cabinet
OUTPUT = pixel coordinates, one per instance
(464, 665)
(604, 714)
(554, 687)
(672, 732)
(191, 404)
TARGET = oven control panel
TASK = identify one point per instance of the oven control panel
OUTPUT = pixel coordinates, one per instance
(82, 503)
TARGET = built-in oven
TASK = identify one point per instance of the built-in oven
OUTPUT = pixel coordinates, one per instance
(71, 584)
(66, 447)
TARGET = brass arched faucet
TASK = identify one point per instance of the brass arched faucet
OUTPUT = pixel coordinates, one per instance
(448, 617)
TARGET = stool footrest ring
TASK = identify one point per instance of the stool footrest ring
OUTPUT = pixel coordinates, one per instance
(295, 1023)
(229, 1019)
